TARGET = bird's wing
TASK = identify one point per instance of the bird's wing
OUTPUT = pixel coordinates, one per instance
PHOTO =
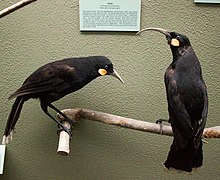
(205, 107)
(46, 78)
(202, 122)
(179, 118)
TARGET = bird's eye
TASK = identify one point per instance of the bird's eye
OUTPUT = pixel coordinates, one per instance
(106, 66)
(178, 37)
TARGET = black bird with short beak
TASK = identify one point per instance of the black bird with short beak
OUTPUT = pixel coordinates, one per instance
(187, 103)
(53, 81)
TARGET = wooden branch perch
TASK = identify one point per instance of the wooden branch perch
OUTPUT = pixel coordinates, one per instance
(14, 7)
(76, 114)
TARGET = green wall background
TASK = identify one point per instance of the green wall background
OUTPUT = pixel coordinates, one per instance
(49, 30)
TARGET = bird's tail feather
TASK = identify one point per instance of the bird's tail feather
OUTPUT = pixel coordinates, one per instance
(12, 119)
(184, 159)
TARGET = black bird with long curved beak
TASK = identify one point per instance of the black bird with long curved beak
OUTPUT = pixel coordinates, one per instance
(187, 103)
(53, 81)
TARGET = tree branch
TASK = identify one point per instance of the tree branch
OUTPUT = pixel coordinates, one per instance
(14, 7)
(77, 114)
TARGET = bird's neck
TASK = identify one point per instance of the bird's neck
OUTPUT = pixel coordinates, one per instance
(187, 62)
(89, 76)
(177, 52)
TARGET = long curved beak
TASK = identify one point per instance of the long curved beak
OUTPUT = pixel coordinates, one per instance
(116, 75)
(163, 31)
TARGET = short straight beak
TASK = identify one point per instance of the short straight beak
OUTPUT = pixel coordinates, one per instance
(116, 75)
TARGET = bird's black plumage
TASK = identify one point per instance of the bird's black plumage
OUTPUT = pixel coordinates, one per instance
(187, 103)
(53, 81)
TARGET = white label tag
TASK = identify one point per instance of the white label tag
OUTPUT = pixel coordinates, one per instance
(110, 15)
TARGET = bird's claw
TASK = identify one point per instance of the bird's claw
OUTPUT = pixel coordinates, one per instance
(160, 122)
(70, 121)
(204, 140)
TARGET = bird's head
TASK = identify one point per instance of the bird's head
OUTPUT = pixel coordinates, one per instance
(105, 67)
(173, 39)
(178, 42)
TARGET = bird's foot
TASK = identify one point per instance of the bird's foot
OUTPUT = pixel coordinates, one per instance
(71, 121)
(204, 140)
(68, 130)
(160, 122)
(66, 118)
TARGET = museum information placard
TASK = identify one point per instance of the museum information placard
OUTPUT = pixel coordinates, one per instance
(110, 15)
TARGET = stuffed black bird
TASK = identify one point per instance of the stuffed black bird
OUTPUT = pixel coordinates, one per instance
(187, 103)
(53, 81)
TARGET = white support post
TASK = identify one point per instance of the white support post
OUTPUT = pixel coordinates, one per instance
(64, 141)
